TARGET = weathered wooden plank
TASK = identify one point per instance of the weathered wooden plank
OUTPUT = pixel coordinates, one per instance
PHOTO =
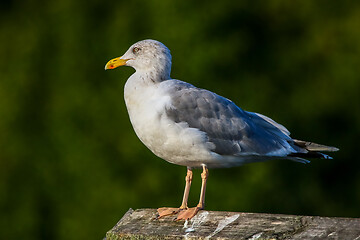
(142, 224)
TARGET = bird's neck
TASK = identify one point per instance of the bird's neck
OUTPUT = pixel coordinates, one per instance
(143, 79)
(152, 76)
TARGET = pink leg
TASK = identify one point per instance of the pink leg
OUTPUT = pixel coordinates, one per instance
(191, 212)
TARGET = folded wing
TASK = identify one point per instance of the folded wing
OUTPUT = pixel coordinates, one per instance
(232, 130)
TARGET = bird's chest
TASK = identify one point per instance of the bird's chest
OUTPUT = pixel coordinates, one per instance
(174, 142)
(146, 106)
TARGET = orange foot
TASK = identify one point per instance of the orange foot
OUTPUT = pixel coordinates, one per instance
(166, 211)
(188, 213)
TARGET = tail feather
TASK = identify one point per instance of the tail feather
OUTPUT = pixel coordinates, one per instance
(311, 150)
(314, 147)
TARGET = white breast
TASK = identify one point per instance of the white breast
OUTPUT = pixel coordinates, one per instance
(175, 142)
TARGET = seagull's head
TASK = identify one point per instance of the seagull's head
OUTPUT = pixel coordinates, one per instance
(145, 56)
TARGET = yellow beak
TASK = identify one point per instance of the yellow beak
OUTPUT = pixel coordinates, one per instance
(116, 62)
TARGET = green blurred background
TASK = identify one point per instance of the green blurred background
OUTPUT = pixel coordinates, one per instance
(70, 162)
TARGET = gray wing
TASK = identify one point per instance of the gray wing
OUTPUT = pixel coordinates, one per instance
(232, 130)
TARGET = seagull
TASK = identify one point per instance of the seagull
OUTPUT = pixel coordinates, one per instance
(197, 128)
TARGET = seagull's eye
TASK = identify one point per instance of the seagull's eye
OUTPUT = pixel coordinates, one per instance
(136, 49)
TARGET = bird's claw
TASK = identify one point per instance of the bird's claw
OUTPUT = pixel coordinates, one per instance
(166, 211)
(188, 214)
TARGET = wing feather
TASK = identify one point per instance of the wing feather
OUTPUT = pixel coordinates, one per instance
(232, 130)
